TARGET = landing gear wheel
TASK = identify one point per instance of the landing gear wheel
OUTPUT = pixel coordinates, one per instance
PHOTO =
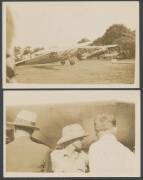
(63, 62)
(72, 62)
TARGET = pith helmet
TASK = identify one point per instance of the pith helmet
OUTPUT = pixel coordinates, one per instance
(71, 132)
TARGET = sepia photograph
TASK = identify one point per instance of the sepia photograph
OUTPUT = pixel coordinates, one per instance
(71, 133)
(71, 44)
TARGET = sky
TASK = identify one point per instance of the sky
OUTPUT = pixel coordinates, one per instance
(52, 97)
(52, 24)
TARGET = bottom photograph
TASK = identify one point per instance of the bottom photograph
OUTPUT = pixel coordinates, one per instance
(71, 133)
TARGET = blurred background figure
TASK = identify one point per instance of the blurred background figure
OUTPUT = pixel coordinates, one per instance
(107, 156)
(10, 62)
(71, 158)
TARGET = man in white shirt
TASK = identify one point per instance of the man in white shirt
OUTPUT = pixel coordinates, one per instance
(71, 158)
(108, 157)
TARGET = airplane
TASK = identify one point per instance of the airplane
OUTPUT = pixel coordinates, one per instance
(71, 54)
(59, 117)
(52, 55)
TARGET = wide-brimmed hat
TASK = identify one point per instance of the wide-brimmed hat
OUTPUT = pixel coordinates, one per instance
(71, 132)
(25, 119)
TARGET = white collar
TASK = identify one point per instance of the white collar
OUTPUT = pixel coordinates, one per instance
(69, 154)
(107, 136)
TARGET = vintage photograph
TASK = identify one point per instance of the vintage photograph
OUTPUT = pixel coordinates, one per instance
(71, 133)
(71, 44)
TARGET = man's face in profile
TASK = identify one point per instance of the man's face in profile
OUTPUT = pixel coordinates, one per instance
(77, 144)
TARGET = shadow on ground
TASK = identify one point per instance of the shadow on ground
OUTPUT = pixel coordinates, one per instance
(48, 67)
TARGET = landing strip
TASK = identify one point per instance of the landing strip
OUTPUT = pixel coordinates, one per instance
(83, 72)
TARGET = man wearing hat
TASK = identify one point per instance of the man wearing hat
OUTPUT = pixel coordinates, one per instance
(71, 158)
(23, 154)
(107, 156)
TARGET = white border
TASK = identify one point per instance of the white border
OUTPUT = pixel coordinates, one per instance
(23, 85)
(122, 96)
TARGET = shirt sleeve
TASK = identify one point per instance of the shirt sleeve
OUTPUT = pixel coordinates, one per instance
(53, 162)
(96, 160)
(47, 162)
(86, 160)
(56, 161)
(91, 159)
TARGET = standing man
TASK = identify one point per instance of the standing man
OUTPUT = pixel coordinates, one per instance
(108, 157)
(23, 154)
(70, 159)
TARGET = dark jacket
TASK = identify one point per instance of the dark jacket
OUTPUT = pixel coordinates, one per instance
(24, 155)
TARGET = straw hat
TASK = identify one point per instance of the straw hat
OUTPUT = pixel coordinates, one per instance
(25, 119)
(71, 132)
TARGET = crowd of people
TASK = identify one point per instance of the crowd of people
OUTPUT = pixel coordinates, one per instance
(106, 156)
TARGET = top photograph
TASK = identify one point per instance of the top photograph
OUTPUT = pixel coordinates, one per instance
(69, 44)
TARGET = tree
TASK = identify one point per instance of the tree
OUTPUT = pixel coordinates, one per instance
(28, 51)
(83, 40)
(38, 49)
(121, 35)
(17, 53)
(17, 50)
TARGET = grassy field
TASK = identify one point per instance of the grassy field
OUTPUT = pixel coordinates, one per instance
(83, 72)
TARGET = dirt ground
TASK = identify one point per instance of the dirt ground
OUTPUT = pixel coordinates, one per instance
(83, 72)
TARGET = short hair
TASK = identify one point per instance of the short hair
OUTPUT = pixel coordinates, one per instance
(105, 118)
